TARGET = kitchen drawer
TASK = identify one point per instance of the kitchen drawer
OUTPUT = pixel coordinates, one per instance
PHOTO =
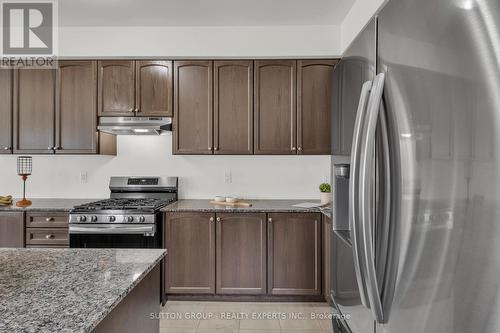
(47, 236)
(47, 220)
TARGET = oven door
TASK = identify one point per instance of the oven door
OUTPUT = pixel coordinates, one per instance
(132, 236)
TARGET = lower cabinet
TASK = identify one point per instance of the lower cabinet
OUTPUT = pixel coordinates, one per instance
(241, 253)
(11, 229)
(294, 254)
(47, 229)
(190, 264)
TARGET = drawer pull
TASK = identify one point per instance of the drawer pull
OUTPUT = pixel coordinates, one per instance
(270, 220)
(219, 219)
(49, 219)
(49, 236)
(211, 219)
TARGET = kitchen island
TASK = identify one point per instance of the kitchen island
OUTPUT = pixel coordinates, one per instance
(79, 290)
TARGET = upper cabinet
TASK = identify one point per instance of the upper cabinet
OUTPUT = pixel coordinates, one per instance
(153, 88)
(233, 107)
(129, 88)
(116, 87)
(34, 106)
(55, 111)
(314, 105)
(193, 116)
(6, 111)
(76, 103)
(275, 118)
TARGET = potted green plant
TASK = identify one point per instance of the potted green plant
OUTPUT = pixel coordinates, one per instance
(325, 193)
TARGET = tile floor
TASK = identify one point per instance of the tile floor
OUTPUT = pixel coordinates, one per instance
(239, 317)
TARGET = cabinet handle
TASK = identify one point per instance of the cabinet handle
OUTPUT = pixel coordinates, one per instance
(211, 219)
(49, 236)
(219, 219)
(216, 148)
(294, 149)
(7, 148)
(270, 220)
(136, 110)
(300, 149)
(50, 148)
(49, 219)
(209, 148)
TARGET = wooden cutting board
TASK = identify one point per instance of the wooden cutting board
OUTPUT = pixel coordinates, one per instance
(232, 204)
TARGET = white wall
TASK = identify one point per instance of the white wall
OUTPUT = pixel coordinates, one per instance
(200, 176)
(356, 19)
(200, 42)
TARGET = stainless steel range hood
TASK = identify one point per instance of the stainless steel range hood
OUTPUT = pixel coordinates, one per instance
(135, 125)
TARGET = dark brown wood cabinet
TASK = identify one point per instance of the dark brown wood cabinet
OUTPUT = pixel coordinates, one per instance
(314, 106)
(190, 242)
(154, 88)
(294, 254)
(116, 87)
(233, 107)
(241, 253)
(275, 117)
(34, 105)
(6, 78)
(11, 229)
(76, 104)
(193, 108)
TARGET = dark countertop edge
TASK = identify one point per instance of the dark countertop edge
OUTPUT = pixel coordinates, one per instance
(120, 298)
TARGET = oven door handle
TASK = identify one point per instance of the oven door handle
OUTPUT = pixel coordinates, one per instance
(148, 229)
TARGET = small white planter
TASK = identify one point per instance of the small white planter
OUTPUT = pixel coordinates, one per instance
(324, 197)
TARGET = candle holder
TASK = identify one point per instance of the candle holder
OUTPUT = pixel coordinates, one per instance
(24, 169)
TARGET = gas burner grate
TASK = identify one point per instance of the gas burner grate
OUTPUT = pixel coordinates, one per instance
(124, 204)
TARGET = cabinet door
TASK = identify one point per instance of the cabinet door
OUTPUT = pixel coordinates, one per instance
(233, 107)
(314, 106)
(327, 248)
(154, 88)
(190, 242)
(294, 259)
(11, 229)
(116, 93)
(193, 116)
(6, 111)
(275, 107)
(76, 109)
(34, 110)
(241, 253)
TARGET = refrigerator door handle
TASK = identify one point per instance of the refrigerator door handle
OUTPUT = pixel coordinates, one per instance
(366, 170)
(354, 208)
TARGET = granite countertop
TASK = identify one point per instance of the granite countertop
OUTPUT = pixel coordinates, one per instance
(48, 205)
(258, 206)
(67, 290)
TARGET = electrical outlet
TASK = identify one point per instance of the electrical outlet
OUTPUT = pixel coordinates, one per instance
(83, 177)
(228, 177)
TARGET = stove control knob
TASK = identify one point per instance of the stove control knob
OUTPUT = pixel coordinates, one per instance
(130, 218)
(142, 219)
(93, 219)
(111, 218)
(81, 218)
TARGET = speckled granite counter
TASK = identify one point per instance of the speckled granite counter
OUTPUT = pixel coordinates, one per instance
(258, 206)
(48, 205)
(67, 290)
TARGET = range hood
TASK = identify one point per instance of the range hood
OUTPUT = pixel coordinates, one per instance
(135, 125)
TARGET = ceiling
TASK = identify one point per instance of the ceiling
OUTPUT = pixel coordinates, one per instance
(202, 12)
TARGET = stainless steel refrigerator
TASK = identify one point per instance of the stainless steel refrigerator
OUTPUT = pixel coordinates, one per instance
(422, 236)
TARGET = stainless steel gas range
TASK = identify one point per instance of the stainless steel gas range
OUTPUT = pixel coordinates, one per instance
(130, 218)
